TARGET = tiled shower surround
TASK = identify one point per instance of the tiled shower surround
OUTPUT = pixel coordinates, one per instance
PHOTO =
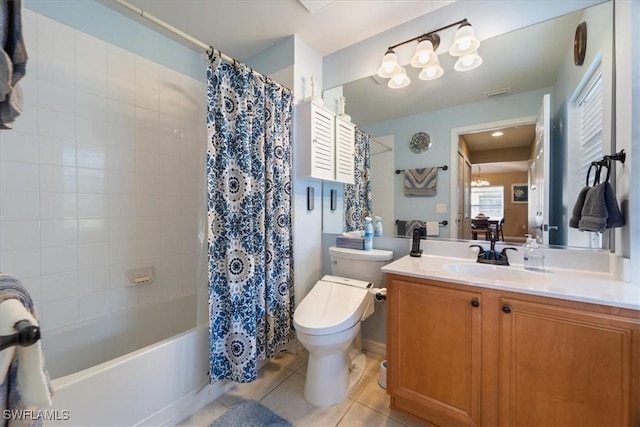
(102, 173)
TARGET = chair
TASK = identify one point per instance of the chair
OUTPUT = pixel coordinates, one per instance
(479, 226)
(501, 230)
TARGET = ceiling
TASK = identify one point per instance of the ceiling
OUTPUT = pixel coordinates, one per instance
(242, 28)
(517, 136)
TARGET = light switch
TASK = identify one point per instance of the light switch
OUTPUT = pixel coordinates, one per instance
(441, 208)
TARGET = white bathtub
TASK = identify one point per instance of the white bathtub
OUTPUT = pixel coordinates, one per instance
(140, 367)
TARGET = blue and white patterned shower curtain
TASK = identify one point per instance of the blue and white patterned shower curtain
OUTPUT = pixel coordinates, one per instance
(357, 196)
(250, 255)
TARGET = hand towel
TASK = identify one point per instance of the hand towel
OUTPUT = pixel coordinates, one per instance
(594, 211)
(433, 228)
(25, 384)
(614, 217)
(577, 208)
(420, 182)
(401, 227)
(413, 224)
(13, 61)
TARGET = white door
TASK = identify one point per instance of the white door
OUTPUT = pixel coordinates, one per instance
(539, 176)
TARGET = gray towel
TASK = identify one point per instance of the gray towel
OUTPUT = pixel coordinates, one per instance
(420, 182)
(614, 216)
(577, 208)
(594, 212)
(13, 61)
(416, 223)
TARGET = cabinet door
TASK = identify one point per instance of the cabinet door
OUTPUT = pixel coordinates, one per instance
(433, 349)
(322, 147)
(345, 140)
(567, 367)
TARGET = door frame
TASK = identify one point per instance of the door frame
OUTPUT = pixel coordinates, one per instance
(455, 135)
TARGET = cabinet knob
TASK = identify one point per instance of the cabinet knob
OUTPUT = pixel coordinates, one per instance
(475, 303)
(506, 308)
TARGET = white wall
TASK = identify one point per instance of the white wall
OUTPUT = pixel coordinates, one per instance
(101, 174)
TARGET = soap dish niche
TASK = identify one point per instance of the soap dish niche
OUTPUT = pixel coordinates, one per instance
(140, 276)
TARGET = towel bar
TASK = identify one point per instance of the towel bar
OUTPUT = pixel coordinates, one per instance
(442, 223)
(444, 168)
(27, 334)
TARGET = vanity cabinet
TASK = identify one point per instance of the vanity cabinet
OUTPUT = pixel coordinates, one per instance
(434, 351)
(469, 356)
(325, 144)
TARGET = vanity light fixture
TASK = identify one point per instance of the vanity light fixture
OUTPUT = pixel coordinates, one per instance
(479, 181)
(465, 46)
(497, 133)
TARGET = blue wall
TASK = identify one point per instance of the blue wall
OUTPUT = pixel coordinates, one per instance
(438, 125)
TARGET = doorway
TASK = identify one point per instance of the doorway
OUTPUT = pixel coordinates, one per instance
(498, 153)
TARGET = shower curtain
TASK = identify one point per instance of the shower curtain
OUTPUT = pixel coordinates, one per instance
(357, 196)
(250, 255)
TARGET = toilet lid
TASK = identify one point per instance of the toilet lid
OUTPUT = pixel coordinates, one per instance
(330, 307)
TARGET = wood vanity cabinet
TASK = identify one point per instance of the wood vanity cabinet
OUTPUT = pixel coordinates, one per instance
(469, 356)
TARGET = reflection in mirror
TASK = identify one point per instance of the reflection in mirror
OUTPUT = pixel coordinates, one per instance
(459, 106)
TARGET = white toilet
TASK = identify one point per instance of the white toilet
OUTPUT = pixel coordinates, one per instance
(327, 323)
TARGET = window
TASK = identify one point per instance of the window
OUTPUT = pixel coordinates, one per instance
(589, 106)
(488, 201)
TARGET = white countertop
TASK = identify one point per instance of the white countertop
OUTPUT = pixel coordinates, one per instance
(573, 285)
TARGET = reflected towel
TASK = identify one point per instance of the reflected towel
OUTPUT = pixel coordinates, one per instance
(594, 212)
(420, 182)
(433, 228)
(13, 61)
(577, 208)
(413, 224)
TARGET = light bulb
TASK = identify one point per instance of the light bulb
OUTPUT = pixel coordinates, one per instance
(388, 67)
(467, 60)
(464, 44)
(398, 78)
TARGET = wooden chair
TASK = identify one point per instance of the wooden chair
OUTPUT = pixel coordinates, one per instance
(479, 226)
(501, 230)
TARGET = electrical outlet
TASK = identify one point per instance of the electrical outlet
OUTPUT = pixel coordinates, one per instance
(441, 208)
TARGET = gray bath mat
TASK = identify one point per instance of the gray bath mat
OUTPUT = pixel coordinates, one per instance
(250, 413)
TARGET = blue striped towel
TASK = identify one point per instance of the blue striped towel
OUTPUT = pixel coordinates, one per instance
(24, 387)
(420, 182)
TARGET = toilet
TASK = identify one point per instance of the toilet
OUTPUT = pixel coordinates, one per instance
(327, 323)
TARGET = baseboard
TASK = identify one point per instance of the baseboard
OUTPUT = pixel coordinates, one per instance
(189, 404)
(374, 347)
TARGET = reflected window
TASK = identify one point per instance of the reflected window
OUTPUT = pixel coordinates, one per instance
(488, 201)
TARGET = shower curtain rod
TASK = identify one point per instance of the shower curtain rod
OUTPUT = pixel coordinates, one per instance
(159, 22)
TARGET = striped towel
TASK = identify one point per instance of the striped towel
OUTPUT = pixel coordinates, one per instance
(420, 182)
(416, 223)
(24, 382)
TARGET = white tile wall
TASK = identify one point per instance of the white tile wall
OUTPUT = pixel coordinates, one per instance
(100, 174)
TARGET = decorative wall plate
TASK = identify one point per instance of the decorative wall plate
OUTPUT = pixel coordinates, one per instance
(420, 142)
(580, 44)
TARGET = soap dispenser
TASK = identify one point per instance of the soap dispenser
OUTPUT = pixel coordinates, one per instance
(368, 234)
(533, 256)
(377, 230)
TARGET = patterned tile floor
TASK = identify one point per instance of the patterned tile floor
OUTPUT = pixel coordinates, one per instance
(280, 386)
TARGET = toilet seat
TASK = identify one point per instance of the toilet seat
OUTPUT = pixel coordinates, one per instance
(333, 305)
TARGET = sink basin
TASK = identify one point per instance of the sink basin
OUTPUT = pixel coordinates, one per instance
(511, 275)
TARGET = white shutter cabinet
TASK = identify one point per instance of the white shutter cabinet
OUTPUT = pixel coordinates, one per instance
(325, 144)
(316, 136)
(345, 141)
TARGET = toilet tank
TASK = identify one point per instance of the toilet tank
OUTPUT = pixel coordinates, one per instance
(358, 264)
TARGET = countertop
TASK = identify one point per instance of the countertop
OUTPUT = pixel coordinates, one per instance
(572, 285)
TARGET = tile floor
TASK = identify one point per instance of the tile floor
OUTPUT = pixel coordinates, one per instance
(280, 386)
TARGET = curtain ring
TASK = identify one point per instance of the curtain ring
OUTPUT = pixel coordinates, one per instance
(607, 163)
(589, 174)
(211, 53)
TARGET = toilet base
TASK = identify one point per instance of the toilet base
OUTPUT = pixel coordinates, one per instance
(331, 378)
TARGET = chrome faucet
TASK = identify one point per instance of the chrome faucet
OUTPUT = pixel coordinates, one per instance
(491, 256)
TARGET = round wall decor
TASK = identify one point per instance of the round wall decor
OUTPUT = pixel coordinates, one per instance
(580, 44)
(420, 142)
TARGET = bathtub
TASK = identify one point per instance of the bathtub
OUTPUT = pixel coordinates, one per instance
(140, 367)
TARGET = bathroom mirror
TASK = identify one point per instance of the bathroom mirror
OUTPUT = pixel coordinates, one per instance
(526, 64)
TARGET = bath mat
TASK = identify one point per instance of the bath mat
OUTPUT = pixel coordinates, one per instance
(250, 413)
